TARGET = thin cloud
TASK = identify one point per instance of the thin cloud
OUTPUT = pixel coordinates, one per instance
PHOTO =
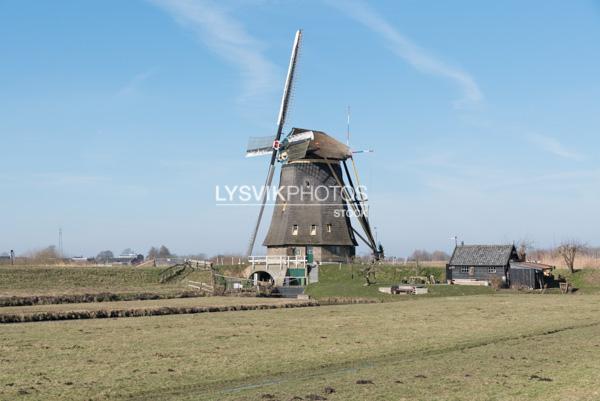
(409, 51)
(227, 37)
(133, 84)
(68, 179)
(553, 146)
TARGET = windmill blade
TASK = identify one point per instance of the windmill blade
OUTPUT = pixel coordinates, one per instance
(363, 151)
(362, 216)
(259, 146)
(356, 207)
(285, 100)
(258, 152)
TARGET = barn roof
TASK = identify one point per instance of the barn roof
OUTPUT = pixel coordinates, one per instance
(482, 255)
(530, 265)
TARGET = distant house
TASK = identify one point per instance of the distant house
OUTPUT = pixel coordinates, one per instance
(481, 264)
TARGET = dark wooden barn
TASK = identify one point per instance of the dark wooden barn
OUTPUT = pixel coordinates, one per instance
(480, 263)
(529, 275)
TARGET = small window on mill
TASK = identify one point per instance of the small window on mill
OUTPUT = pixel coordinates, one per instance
(295, 229)
(328, 228)
(313, 230)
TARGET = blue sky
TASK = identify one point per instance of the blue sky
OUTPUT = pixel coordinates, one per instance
(118, 118)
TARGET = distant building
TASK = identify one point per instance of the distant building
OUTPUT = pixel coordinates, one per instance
(128, 259)
(482, 264)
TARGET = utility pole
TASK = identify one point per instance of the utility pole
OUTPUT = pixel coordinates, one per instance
(60, 243)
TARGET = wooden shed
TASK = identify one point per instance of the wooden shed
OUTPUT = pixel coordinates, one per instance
(480, 264)
(529, 275)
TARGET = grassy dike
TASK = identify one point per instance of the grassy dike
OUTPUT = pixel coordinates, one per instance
(41, 313)
(346, 281)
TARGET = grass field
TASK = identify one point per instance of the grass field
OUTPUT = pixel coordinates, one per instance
(485, 347)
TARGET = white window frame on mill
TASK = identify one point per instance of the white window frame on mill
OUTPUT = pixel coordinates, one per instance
(328, 228)
(295, 229)
(313, 229)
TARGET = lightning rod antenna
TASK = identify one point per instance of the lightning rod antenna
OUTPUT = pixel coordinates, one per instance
(348, 126)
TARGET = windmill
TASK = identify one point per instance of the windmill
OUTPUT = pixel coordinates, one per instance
(313, 206)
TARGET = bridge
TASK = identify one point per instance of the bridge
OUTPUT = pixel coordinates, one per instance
(282, 271)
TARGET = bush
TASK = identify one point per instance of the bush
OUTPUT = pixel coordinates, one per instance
(497, 283)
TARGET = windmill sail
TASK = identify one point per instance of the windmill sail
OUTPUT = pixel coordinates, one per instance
(285, 100)
(259, 146)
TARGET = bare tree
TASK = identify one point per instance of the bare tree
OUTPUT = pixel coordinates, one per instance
(164, 252)
(568, 250)
(46, 255)
(523, 246)
(420, 255)
(152, 253)
(440, 255)
(105, 256)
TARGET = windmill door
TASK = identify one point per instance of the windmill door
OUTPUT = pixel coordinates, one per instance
(309, 254)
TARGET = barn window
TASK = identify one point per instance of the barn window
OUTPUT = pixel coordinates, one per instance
(313, 229)
(283, 206)
(328, 228)
(464, 269)
(491, 270)
(295, 229)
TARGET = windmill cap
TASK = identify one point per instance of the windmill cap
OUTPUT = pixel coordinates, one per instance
(323, 145)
